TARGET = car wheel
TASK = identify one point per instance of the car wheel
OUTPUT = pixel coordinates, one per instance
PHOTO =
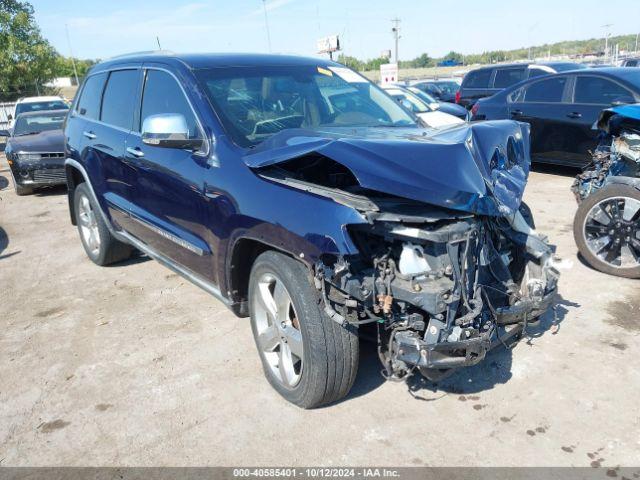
(607, 230)
(101, 247)
(308, 358)
(22, 190)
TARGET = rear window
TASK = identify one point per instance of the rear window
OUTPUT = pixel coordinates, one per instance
(547, 91)
(119, 98)
(478, 78)
(40, 106)
(508, 76)
(89, 103)
(598, 90)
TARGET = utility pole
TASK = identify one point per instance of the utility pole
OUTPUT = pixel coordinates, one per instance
(266, 24)
(637, 42)
(396, 34)
(606, 40)
(73, 62)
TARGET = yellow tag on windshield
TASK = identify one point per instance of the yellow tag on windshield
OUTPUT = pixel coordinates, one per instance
(324, 71)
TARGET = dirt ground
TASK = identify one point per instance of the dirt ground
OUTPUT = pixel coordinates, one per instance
(132, 365)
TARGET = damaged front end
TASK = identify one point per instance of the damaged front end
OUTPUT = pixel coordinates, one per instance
(617, 154)
(443, 290)
(448, 262)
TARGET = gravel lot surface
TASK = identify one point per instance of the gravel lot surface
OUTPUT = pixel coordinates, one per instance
(131, 365)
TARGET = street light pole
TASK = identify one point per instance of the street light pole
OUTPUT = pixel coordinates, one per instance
(396, 33)
(266, 24)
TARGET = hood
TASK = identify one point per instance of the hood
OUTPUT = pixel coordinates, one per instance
(622, 114)
(479, 168)
(51, 141)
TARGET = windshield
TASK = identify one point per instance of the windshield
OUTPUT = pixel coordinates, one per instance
(39, 106)
(564, 67)
(422, 95)
(448, 87)
(254, 103)
(414, 103)
(30, 124)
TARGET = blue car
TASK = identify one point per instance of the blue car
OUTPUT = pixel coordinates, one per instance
(300, 194)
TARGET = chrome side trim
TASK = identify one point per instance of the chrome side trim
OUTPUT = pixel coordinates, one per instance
(180, 270)
(194, 278)
(169, 236)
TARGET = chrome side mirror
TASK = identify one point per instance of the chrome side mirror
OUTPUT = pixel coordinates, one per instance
(168, 130)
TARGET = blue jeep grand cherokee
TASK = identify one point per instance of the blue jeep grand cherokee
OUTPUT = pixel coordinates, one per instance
(301, 195)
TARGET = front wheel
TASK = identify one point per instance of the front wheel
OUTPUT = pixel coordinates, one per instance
(307, 357)
(607, 230)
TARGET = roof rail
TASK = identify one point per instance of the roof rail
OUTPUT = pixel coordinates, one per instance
(146, 52)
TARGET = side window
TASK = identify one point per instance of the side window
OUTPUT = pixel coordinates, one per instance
(537, 72)
(89, 102)
(162, 94)
(597, 90)
(508, 76)
(631, 63)
(547, 91)
(478, 78)
(119, 98)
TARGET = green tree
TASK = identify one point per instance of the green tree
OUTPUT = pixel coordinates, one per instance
(455, 56)
(27, 60)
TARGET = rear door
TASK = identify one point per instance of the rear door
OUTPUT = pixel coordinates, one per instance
(543, 105)
(102, 146)
(591, 94)
(169, 206)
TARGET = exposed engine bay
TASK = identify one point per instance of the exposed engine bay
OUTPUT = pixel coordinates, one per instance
(441, 291)
(447, 260)
(617, 154)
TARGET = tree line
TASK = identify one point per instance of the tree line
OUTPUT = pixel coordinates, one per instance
(569, 47)
(27, 59)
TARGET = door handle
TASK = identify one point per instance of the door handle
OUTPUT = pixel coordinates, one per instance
(516, 113)
(574, 115)
(136, 152)
(89, 135)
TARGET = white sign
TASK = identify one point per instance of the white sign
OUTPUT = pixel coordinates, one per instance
(388, 73)
(328, 44)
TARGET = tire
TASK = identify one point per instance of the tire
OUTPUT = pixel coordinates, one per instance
(608, 197)
(22, 190)
(100, 246)
(326, 360)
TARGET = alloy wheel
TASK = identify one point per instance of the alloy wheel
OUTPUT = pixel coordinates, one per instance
(612, 231)
(278, 330)
(89, 225)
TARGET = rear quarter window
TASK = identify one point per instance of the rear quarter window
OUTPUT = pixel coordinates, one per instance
(477, 79)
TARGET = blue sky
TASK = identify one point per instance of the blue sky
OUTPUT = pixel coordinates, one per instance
(99, 29)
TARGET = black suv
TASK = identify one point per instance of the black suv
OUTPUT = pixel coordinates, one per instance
(485, 81)
(300, 194)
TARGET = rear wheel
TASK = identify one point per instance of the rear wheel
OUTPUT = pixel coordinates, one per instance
(101, 247)
(307, 357)
(607, 230)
